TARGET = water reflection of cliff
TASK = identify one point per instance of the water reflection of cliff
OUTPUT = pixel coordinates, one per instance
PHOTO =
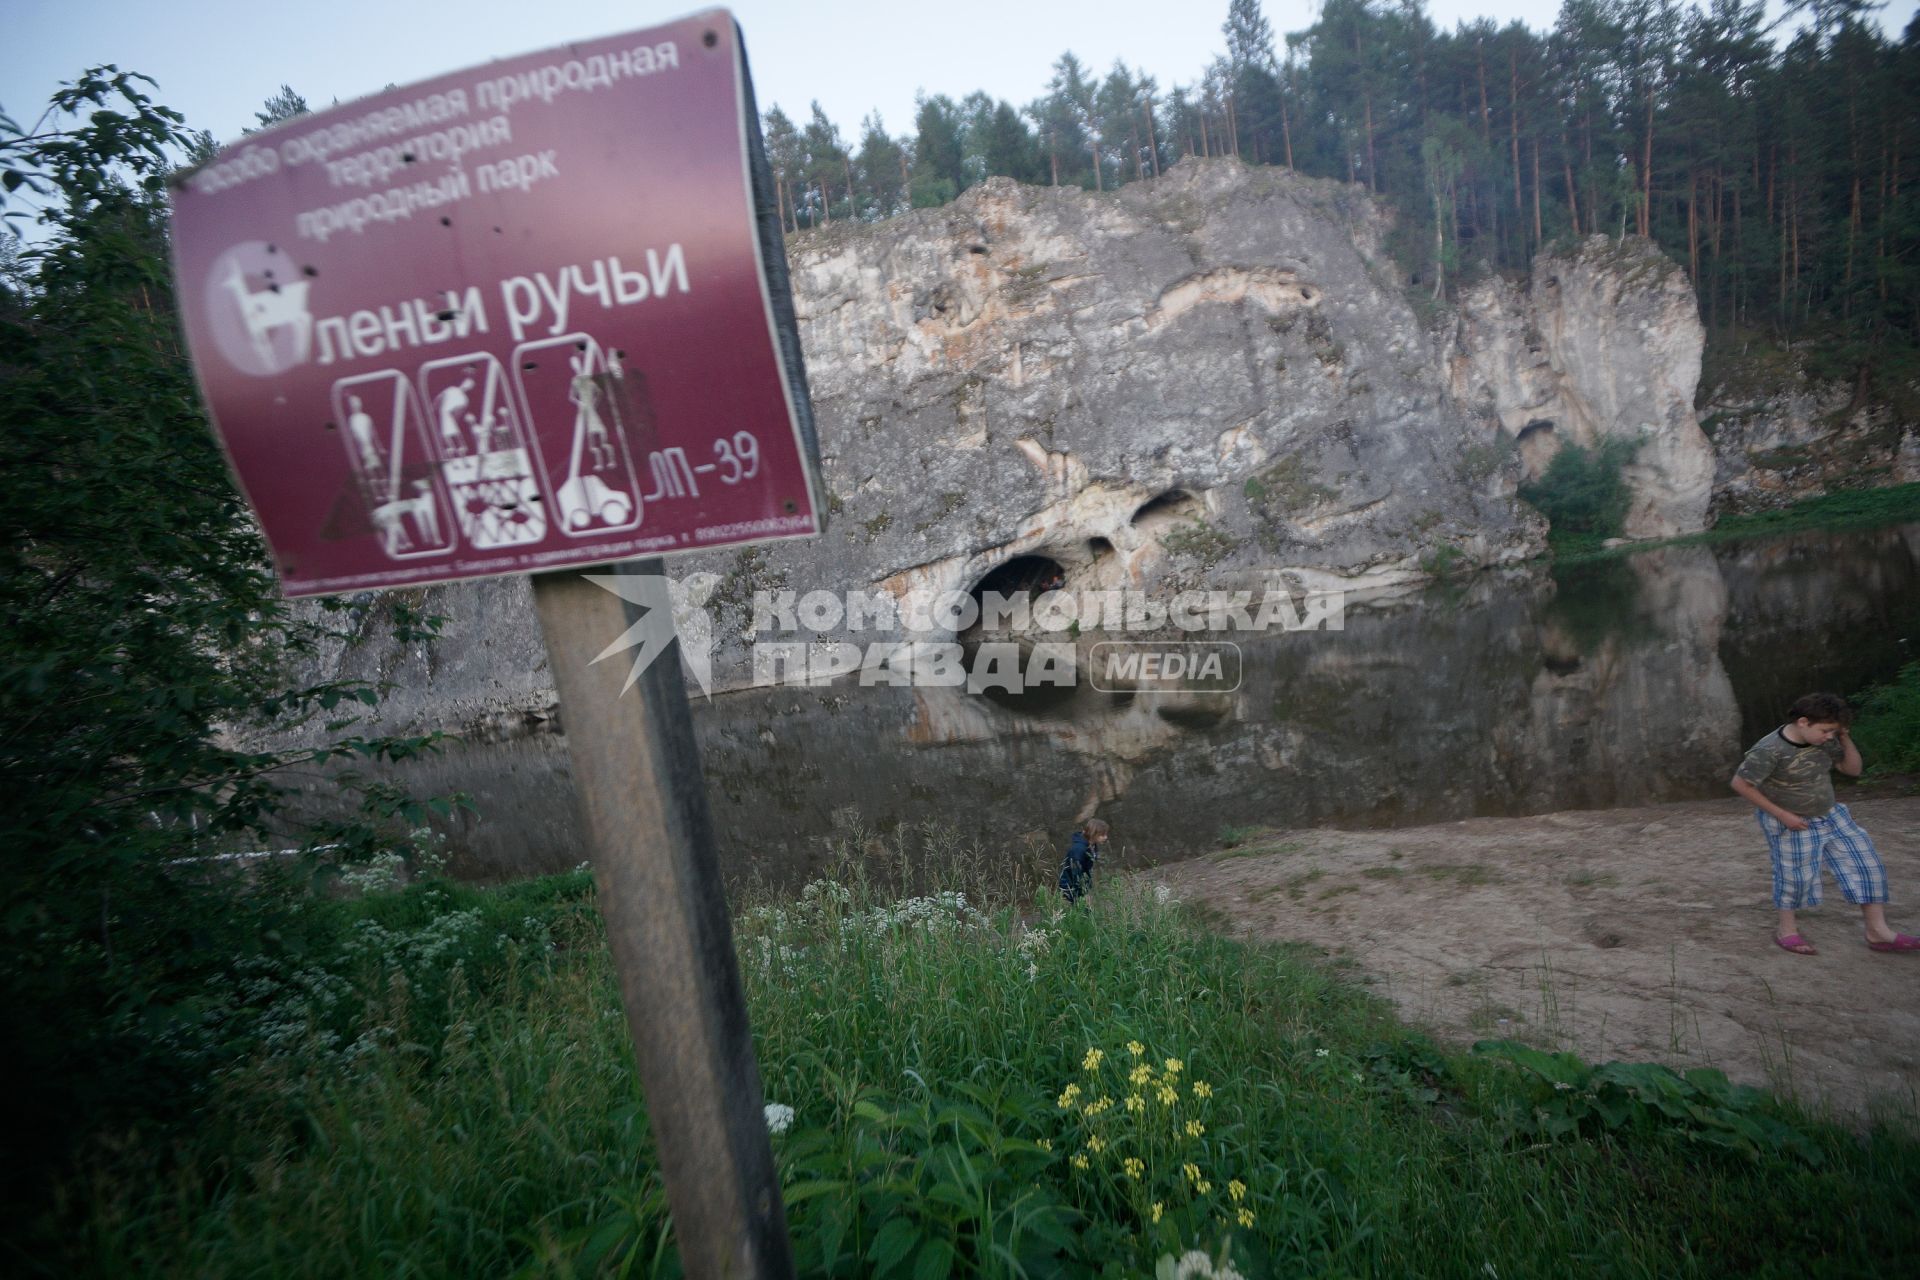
(1818, 611)
(1630, 682)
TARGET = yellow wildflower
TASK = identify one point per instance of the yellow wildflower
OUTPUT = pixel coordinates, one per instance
(1067, 1096)
(1238, 1190)
(1192, 1171)
(1044, 1145)
(1134, 1167)
(1168, 1096)
(1203, 1187)
(1246, 1217)
(1096, 1144)
(1158, 1209)
(1135, 1048)
(1102, 1103)
(1080, 1162)
(1140, 1075)
(1201, 1089)
(1092, 1061)
(1135, 1102)
(1174, 1066)
(1195, 1128)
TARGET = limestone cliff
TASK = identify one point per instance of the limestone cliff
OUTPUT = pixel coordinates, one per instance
(1603, 343)
(1779, 436)
(1207, 371)
(1210, 379)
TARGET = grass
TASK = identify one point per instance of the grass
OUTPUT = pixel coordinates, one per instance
(947, 1066)
(1251, 842)
(1256, 849)
(1851, 509)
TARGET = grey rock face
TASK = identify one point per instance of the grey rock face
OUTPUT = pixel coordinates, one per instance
(1604, 343)
(1801, 440)
(1193, 379)
(1212, 379)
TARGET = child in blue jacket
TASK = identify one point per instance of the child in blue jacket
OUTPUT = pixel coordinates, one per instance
(1076, 872)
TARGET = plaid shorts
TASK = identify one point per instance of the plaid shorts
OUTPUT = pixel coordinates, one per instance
(1833, 839)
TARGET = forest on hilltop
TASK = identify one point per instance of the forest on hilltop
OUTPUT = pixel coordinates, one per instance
(1777, 163)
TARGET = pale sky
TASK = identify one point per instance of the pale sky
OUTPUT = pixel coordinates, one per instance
(217, 61)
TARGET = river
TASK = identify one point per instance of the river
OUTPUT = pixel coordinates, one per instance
(1626, 682)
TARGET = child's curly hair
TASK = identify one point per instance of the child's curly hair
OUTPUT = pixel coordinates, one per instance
(1821, 708)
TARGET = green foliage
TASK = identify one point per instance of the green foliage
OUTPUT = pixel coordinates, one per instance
(926, 1186)
(1888, 728)
(941, 1072)
(281, 107)
(1582, 492)
(1567, 1097)
(1441, 560)
(143, 631)
(1850, 509)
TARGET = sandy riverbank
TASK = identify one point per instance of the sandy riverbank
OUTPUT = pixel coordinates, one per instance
(1637, 934)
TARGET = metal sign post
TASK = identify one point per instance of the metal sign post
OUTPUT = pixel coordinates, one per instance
(514, 319)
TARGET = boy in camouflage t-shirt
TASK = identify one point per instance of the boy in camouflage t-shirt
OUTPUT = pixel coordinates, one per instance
(1787, 776)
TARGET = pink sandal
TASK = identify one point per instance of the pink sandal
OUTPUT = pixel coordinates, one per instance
(1800, 946)
(1901, 942)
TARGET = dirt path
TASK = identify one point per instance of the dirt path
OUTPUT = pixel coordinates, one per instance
(1638, 934)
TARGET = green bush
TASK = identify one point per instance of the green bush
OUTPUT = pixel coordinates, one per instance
(1582, 493)
(1888, 728)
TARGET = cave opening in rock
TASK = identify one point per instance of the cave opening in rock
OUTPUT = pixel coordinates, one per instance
(1098, 547)
(1164, 510)
(1030, 576)
(1022, 575)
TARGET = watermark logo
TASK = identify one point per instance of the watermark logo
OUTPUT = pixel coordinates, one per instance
(671, 608)
(978, 641)
(1164, 666)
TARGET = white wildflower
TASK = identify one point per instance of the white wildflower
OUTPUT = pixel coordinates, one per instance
(1194, 1265)
(779, 1117)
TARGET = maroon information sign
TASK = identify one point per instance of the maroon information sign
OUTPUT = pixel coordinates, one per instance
(507, 320)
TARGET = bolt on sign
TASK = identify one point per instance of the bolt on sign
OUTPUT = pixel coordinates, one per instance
(521, 317)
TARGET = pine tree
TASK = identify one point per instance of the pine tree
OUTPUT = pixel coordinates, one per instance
(827, 168)
(881, 168)
(785, 157)
(1006, 146)
(1072, 123)
(284, 105)
(939, 152)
